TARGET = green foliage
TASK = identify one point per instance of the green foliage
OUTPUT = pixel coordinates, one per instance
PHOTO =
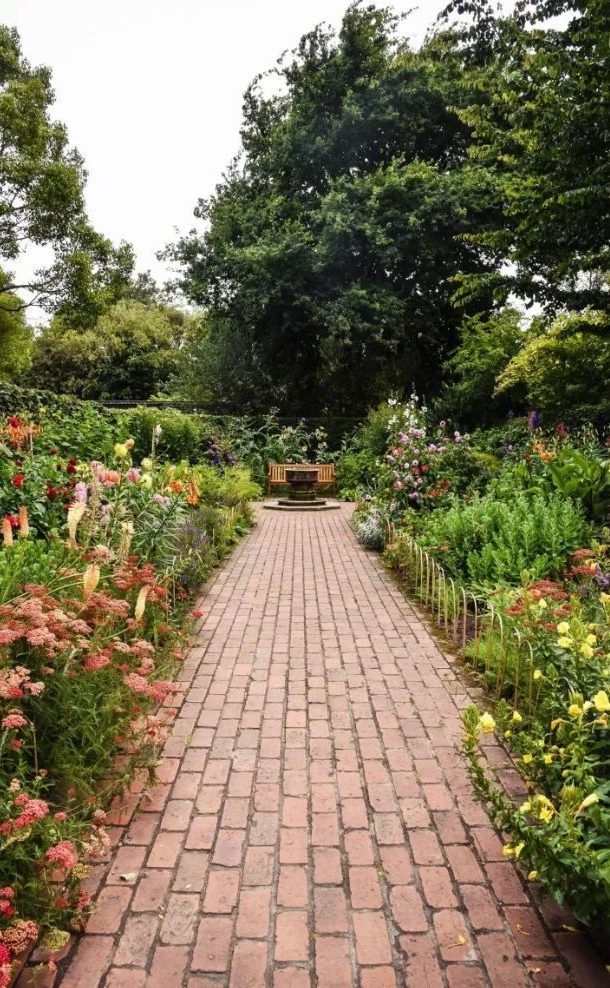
(489, 543)
(567, 365)
(70, 427)
(584, 478)
(132, 351)
(327, 261)
(549, 165)
(182, 435)
(15, 338)
(357, 473)
(487, 344)
(42, 198)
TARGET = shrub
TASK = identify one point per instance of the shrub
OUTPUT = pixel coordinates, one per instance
(182, 435)
(371, 525)
(490, 542)
(356, 473)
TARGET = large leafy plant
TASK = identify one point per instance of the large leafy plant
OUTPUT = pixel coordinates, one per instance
(583, 477)
(490, 542)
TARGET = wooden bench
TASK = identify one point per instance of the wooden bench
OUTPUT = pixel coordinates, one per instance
(277, 475)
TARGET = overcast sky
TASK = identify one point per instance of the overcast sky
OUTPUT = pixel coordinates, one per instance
(150, 91)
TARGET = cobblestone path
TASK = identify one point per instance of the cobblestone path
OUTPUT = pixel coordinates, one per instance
(315, 824)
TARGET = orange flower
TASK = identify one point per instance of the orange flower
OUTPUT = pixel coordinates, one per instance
(7, 531)
(176, 486)
(193, 495)
(24, 526)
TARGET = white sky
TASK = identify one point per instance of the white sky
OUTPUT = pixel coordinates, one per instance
(151, 94)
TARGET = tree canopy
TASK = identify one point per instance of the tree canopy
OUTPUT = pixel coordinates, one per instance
(42, 182)
(541, 138)
(329, 249)
(131, 352)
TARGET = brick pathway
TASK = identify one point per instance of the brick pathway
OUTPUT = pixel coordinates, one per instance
(315, 825)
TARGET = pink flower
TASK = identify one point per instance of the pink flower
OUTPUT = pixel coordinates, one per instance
(137, 684)
(80, 492)
(64, 854)
(93, 663)
(13, 721)
(133, 475)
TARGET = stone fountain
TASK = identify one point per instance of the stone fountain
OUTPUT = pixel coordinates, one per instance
(301, 479)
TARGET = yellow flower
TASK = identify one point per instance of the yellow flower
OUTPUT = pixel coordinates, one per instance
(565, 642)
(563, 628)
(548, 759)
(146, 481)
(605, 599)
(532, 876)
(542, 604)
(525, 807)
(147, 463)
(589, 800)
(517, 717)
(537, 674)
(586, 651)
(121, 450)
(513, 850)
(527, 759)
(591, 640)
(601, 702)
(487, 723)
(546, 814)
(574, 710)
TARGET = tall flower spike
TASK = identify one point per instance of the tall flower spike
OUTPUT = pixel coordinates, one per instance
(24, 524)
(91, 578)
(75, 516)
(141, 603)
(7, 531)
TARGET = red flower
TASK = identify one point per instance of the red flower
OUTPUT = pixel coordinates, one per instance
(71, 466)
(15, 421)
(18, 479)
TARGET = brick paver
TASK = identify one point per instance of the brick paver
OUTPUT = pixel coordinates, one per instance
(314, 824)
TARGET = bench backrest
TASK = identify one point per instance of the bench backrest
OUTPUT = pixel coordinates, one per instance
(277, 472)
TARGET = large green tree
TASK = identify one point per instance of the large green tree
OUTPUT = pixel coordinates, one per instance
(42, 183)
(541, 129)
(132, 351)
(329, 249)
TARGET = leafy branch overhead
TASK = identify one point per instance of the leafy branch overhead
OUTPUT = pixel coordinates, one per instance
(42, 182)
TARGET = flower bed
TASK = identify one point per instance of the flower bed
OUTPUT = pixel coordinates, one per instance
(97, 565)
(517, 573)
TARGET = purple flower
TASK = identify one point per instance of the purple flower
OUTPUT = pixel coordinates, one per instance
(80, 492)
(602, 579)
(533, 420)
